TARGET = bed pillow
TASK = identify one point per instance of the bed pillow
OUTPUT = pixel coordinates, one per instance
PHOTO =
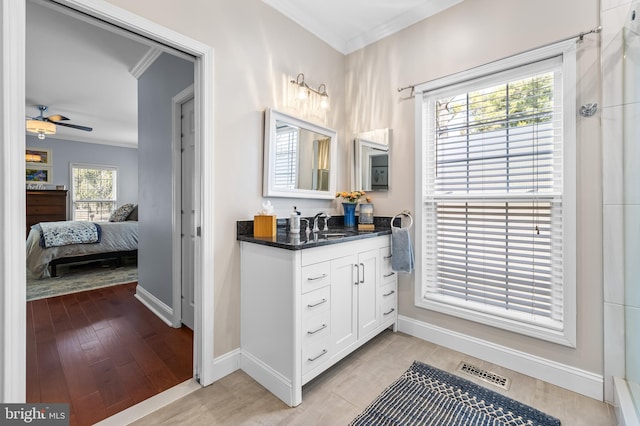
(121, 213)
(134, 213)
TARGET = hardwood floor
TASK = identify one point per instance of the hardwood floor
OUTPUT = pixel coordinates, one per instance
(102, 351)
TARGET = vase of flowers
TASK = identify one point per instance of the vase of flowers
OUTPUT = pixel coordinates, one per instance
(349, 202)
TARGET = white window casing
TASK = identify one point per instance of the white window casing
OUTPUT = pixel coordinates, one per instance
(496, 194)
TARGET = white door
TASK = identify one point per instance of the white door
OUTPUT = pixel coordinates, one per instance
(188, 211)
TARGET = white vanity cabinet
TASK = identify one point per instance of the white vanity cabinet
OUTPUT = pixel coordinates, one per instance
(304, 310)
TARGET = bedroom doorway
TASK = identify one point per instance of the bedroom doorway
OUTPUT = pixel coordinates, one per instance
(14, 71)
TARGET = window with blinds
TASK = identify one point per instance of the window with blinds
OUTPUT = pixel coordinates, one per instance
(286, 162)
(493, 241)
(93, 192)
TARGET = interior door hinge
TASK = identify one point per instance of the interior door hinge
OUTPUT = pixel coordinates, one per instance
(198, 231)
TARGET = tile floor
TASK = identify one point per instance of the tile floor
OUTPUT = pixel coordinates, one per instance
(346, 389)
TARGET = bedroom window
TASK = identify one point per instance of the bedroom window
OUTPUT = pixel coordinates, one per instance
(497, 183)
(93, 192)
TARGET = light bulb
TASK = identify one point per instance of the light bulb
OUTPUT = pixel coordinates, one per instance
(302, 92)
(40, 135)
(324, 102)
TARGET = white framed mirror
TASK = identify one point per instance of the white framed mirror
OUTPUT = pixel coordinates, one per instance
(371, 165)
(299, 158)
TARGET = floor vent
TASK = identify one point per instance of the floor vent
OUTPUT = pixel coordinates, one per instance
(484, 375)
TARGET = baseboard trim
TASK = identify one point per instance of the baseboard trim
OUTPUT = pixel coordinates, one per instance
(225, 364)
(562, 375)
(155, 305)
(267, 377)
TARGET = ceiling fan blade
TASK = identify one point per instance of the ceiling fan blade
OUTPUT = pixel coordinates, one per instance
(75, 126)
(56, 118)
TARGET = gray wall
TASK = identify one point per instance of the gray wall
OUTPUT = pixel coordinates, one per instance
(64, 152)
(167, 77)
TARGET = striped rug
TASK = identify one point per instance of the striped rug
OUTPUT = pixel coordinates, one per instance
(425, 395)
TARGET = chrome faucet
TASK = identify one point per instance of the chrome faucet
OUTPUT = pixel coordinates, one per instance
(315, 221)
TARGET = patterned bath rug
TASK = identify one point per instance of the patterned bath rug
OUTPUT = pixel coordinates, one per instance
(80, 277)
(427, 396)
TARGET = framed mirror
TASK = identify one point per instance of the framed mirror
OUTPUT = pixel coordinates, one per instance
(299, 158)
(371, 165)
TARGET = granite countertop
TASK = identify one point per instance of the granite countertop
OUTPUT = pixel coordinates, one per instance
(337, 234)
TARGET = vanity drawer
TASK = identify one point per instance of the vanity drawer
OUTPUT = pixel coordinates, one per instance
(315, 276)
(315, 354)
(316, 301)
(315, 328)
(388, 301)
(388, 274)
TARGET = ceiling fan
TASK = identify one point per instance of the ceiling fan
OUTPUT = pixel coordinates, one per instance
(43, 126)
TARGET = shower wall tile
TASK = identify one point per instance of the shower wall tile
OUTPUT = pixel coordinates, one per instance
(631, 62)
(612, 55)
(632, 315)
(614, 345)
(632, 255)
(631, 150)
(613, 249)
(612, 155)
(610, 4)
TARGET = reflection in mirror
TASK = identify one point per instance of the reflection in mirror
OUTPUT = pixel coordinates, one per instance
(371, 165)
(299, 158)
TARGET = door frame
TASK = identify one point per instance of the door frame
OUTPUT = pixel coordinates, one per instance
(12, 197)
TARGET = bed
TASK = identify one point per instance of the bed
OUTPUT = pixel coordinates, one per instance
(118, 239)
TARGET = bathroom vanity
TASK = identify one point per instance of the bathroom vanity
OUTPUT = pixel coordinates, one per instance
(308, 304)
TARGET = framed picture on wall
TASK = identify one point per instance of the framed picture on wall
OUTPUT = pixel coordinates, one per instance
(38, 156)
(38, 174)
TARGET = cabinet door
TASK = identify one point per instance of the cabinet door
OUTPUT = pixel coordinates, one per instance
(344, 328)
(367, 272)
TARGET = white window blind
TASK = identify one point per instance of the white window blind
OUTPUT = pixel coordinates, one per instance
(493, 196)
(286, 163)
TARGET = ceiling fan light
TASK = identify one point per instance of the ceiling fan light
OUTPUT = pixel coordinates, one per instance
(42, 128)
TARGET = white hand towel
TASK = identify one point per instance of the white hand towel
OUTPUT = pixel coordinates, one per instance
(401, 250)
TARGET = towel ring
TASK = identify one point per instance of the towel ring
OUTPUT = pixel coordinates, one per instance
(406, 213)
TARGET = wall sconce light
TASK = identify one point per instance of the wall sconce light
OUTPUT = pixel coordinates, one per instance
(304, 91)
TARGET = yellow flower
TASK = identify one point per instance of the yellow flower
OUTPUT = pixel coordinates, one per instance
(352, 196)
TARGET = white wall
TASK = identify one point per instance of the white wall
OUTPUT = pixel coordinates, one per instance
(470, 34)
(256, 52)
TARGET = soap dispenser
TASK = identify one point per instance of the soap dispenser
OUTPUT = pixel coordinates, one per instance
(294, 221)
